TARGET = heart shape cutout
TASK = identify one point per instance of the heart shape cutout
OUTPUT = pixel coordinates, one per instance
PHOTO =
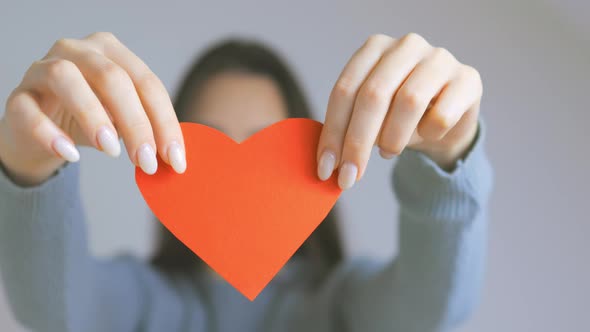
(244, 208)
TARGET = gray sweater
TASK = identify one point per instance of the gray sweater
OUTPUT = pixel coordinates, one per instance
(54, 284)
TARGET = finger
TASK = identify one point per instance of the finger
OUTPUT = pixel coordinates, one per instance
(412, 99)
(373, 100)
(459, 96)
(154, 98)
(93, 68)
(117, 93)
(61, 79)
(26, 114)
(341, 102)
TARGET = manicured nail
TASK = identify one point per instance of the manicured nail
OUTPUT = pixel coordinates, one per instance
(326, 165)
(177, 157)
(66, 149)
(147, 159)
(386, 155)
(347, 175)
(108, 142)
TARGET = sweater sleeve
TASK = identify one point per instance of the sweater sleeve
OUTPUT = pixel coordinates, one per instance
(434, 282)
(53, 283)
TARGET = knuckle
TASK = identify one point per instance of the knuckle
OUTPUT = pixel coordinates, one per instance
(167, 128)
(373, 93)
(170, 126)
(414, 38)
(137, 132)
(63, 44)
(15, 101)
(439, 121)
(86, 115)
(391, 146)
(332, 136)
(429, 133)
(474, 76)
(104, 36)
(425, 133)
(148, 81)
(378, 39)
(23, 106)
(140, 128)
(110, 74)
(443, 53)
(344, 87)
(332, 132)
(353, 147)
(61, 68)
(471, 72)
(411, 98)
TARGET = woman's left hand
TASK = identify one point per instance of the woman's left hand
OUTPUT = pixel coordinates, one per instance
(398, 93)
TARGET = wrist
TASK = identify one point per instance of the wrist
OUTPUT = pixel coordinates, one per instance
(447, 156)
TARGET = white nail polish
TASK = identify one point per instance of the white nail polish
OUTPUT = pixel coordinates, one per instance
(146, 157)
(177, 157)
(108, 142)
(386, 155)
(326, 165)
(66, 149)
(347, 175)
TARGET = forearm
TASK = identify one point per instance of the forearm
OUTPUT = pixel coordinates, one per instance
(438, 271)
(51, 281)
(35, 226)
(443, 233)
(435, 279)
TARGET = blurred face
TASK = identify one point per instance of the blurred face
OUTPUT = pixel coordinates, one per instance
(238, 104)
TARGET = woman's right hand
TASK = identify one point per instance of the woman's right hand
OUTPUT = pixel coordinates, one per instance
(88, 92)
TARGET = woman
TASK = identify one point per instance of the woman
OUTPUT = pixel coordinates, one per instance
(399, 94)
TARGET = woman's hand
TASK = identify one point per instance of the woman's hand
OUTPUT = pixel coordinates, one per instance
(398, 93)
(88, 92)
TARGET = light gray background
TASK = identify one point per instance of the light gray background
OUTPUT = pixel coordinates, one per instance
(534, 57)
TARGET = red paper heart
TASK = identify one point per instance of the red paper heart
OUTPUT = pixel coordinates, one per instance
(243, 208)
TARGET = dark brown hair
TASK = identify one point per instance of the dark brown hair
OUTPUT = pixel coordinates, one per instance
(236, 55)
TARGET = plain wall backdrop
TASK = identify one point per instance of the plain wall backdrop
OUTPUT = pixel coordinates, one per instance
(534, 57)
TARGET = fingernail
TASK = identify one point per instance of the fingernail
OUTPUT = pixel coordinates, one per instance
(66, 149)
(108, 142)
(386, 155)
(177, 157)
(147, 159)
(326, 165)
(347, 175)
